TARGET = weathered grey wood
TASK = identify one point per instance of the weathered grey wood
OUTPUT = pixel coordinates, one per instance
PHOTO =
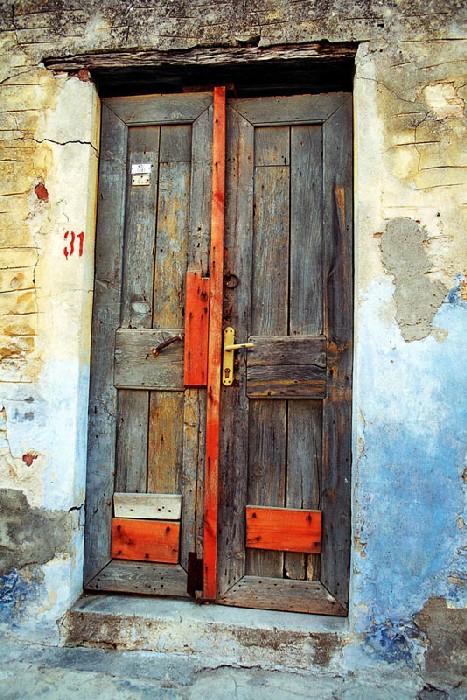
(194, 407)
(233, 446)
(191, 482)
(153, 506)
(267, 473)
(272, 145)
(306, 240)
(143, 147)
(136, 338)
(269, 301)
(287, 350)
(165, 428)
(172, 230)
(280, 594)
(200, 194)
(200, 56)
(175, 144)
(338, 275)
(165, 435)
(303, 474)
(142, 578)
(132, 444)
(136, 311)
(270, 251)
(281, 367)
(135, 364)
(106, 315)
(304, 109)
(286, 382)
(305, 318)
(173, 108)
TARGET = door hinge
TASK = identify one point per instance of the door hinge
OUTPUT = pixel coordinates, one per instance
(195, 574)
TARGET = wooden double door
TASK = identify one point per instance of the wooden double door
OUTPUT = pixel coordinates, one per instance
(276, 520)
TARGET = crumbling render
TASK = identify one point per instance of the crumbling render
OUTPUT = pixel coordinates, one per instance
(417, 295)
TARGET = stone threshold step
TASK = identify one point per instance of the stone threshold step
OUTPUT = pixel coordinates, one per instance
(231, 636)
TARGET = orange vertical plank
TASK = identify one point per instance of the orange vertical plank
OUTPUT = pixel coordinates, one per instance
(216, 265)
(146, 540)
(283, 529)
(195, 372)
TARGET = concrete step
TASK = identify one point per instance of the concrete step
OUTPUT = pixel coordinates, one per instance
(230, 636)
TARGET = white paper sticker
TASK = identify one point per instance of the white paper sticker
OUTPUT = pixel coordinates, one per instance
(141, 169)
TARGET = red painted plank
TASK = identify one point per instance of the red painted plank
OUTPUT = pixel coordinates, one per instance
(145, 540)
(215, 348)
(196, 330)
(283, 529)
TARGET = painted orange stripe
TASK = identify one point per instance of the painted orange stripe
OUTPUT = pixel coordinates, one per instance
(196, 330)
(215, 347)
(283, 529)
(145, 540)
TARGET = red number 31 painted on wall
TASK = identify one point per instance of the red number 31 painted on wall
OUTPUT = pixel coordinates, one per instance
(69, 249)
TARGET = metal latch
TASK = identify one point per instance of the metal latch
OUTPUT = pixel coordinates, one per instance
(229, 347)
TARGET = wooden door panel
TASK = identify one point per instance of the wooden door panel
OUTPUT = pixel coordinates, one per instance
(136, 304)
(284, 367)
(137, 366)
(162, 230)
(233, 447)
(165, 442)
(287, 315)
(283, 529)
(267, 470)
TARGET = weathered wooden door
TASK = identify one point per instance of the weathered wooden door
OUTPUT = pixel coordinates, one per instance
(285, 443)
(146, 434)
(282, 536)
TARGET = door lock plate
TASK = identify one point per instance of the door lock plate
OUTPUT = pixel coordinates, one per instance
(228, 356)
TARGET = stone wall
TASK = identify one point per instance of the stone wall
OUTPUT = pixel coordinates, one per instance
(409, 471)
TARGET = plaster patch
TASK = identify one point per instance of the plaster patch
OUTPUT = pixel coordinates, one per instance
(417, 296)
(31, 536)
(444, 101)
(446, 639)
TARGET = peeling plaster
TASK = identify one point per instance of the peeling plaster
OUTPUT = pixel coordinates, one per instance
(444, 101)
(31, 536)
(417, 296)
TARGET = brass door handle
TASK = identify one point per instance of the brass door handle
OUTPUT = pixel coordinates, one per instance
(228, 355)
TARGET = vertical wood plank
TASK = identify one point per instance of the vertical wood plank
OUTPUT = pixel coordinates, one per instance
(303, 475)
(195, 365)
(172, 229)
(194, 412)
(270, 295)
(233, 474)
(305, 318)
(266, 477)
(306, 257)
(165, 433)
(141, 203)
(338, 276)
(137, 292)
(105, 321)
(191, 486)
(200, 195)
(165, 441)
(216, 263)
